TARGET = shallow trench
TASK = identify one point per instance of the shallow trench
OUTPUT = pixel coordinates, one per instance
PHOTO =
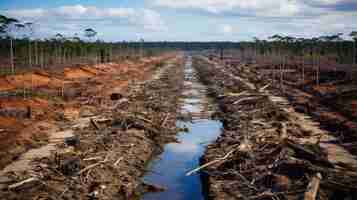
(169, 169)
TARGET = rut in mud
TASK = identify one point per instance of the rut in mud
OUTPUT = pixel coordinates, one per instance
(170, 168)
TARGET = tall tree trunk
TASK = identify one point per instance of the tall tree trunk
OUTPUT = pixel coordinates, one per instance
(303, 67)
(119, 53)
(12, 56)
(30, 56)
(141, 50)
(42, 57)
(354, 58)
(59, 55)
(24, 87)
(281, 67)
(354, 52)
(318, 70)
(283, 71)
(63, 55)
(110, 54)
(36, 53)
(30, 61)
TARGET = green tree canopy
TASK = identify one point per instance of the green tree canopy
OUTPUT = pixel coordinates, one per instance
(5, 22)
(90, 33)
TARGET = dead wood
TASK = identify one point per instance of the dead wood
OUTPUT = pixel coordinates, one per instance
(149, 187)
(313, 187)
(211, 163)
(281, 155)
(95, 124)
(25, 183)
(307, 153)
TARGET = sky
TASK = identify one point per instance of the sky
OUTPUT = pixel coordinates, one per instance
(185, 20)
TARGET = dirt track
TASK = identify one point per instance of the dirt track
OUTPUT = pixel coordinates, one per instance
(109, 143)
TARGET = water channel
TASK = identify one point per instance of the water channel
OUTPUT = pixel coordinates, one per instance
(169, 169)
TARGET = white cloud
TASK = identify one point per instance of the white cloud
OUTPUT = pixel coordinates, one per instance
(73, 11)
(327, 2)
(227, 29)
(74, 18)
(27, 13)
(245, 7)
(263, 18)
(152, 20)
(330, 23)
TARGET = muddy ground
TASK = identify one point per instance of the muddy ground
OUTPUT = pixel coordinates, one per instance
(35, 103)
(331, 100)
(107, 147)
(267, 149)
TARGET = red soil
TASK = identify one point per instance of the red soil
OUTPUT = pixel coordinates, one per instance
(91, 81)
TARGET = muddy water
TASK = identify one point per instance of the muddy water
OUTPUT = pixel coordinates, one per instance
(169, 169)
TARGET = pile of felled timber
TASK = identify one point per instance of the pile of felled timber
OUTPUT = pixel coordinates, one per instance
(107, 154)
(267, 149)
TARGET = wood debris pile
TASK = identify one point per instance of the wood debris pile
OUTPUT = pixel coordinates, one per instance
(265, 151)
(107, 156)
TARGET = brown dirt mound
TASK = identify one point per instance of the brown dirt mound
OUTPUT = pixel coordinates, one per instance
(71, 112)
(34, 131)
(26, 79)
(10, 123)
(73, 73)
(5, 85)
(36, 102)
(91, 69)
(116, 68)
(36, 79)
(15, 142)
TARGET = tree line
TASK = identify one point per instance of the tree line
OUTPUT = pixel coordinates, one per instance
(20, 50)
(329, 52)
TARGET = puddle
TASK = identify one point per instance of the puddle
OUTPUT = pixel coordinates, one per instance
(169, 169)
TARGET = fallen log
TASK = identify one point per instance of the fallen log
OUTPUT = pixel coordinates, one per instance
(313, 187)
(247, 99)
(92, 166)
(210, 163)
(303, 152)
(24, 183)
(263, 88)
(95, 124)
(149, 187)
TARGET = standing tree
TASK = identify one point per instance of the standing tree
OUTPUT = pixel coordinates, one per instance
(353, 34)
(277, 39)
(59, 39)
(256, 41)
(315, 57)
(3, 25)
(90, 34)
(7, 26)
(142, 48)
(28, 25)
(302, 44)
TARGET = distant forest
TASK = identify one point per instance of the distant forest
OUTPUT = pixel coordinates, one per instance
(19, 49)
